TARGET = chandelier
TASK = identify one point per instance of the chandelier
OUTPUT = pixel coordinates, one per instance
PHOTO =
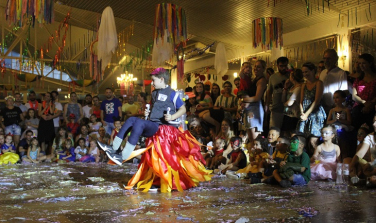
(126, 83)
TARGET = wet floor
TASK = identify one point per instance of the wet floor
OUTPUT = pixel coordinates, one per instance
(80, 192)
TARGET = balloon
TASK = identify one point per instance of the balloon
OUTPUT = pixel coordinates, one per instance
(202, 77)
(235, 91)
(147, 82)
(225, 77)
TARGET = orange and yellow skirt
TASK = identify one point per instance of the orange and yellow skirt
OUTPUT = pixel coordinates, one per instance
(171, 160)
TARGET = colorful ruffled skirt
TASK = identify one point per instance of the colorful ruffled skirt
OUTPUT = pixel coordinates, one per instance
(171, 160)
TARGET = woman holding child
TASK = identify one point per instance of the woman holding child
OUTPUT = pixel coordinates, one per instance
(251, 100)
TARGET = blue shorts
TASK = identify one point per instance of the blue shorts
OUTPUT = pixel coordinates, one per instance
(13, 130)
(298, 179)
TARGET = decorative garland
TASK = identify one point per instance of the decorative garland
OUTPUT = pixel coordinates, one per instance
(171, 18)
(267, 32)
(41, 11)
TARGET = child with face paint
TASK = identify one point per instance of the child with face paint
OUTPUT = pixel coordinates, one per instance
(237, 157)
(296, 170)
(324, 160)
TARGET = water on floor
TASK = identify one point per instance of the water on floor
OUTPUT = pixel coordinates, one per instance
(78, 192)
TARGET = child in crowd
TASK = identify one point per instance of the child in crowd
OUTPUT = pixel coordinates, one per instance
(237, 158)
(340, 117)
(362, 133)
(191, 105)
(115, 131)
(211, 136)
(68, 155)
(213, 156)
(93, 154)
(245, 76)
(193, 121)
(280, 154)
(256, 155)
(31, 123)
(8, 152)
(33, 153)
(72, 125)
(80, 150)
(296, 170)
(94, 125)
(324, 159)
(273, 135)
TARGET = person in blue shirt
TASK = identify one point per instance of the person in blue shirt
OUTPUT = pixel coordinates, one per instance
(110, 108)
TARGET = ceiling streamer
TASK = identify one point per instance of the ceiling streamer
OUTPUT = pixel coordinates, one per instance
(267, 32)
(170, 29)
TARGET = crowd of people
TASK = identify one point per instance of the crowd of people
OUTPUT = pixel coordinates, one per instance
(286, 127)
(45, 131)
(290, 126)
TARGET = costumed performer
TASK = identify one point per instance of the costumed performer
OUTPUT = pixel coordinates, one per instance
(172, 158)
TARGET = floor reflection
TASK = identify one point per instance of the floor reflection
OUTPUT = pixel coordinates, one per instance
(80, 192)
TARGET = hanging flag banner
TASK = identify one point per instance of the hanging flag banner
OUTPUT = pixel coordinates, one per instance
(267, 32)
(170, 29)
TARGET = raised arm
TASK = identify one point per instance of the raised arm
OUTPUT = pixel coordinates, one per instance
(290, 101)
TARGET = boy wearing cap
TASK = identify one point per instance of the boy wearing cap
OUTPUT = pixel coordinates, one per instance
(296, 170)
(172, 157)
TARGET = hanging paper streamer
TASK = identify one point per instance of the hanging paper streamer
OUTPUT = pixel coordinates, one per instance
(170, 29)
(220, 60)
(42, 11)
(267, 32)
(107, 37)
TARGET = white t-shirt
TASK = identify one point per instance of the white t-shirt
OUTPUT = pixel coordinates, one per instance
(332, 81)
(86, 110)
(58, 107)
(371, 141)
(94, 151)
(79, 150)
